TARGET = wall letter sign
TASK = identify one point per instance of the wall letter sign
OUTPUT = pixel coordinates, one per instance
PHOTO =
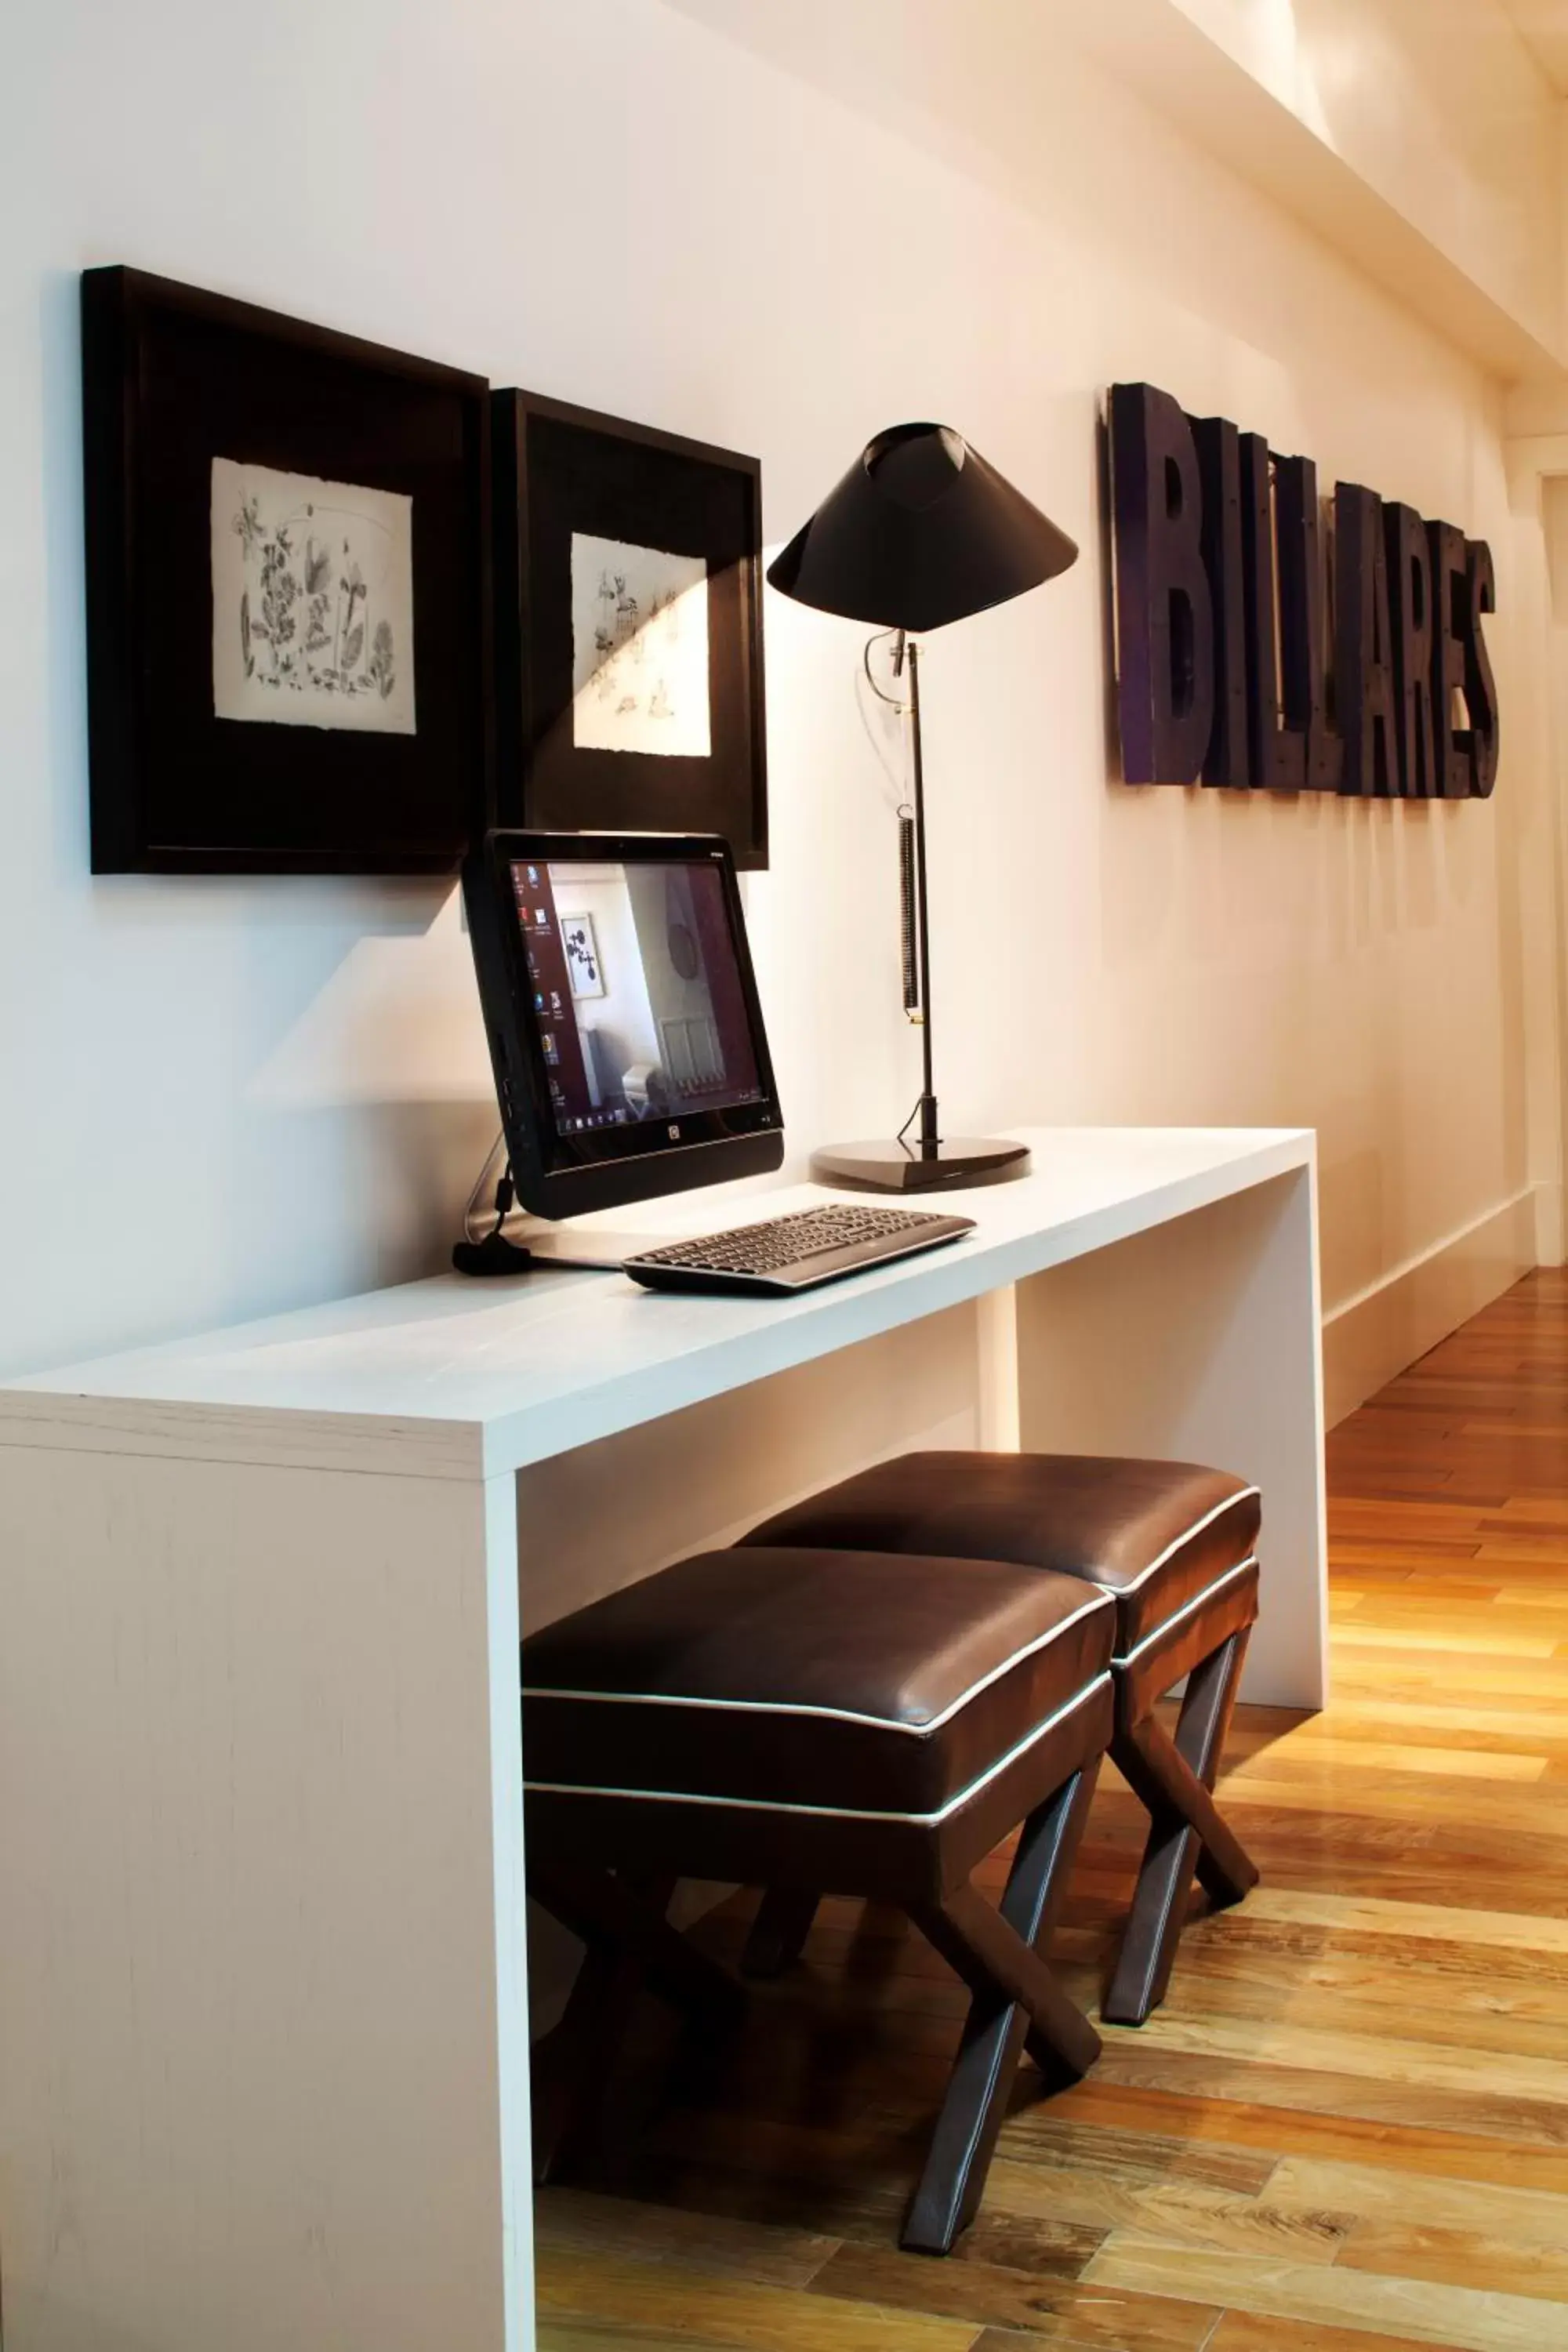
(1267, 640)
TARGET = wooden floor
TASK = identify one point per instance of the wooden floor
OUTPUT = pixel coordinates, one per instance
(1349, 2124)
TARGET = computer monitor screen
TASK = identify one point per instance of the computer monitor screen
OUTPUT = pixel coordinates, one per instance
(628, 1044)
(636, 990)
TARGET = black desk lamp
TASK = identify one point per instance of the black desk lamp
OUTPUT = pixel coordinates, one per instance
(920, 532)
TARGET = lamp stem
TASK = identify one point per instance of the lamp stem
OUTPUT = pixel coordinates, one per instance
(931, 1135)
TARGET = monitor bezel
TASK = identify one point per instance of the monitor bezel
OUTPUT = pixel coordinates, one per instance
(568, 1175)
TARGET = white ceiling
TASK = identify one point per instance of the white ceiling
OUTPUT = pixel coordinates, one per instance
(1544, 24)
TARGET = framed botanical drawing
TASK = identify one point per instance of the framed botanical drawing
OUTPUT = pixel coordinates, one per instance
(288, 605)
(628, 628)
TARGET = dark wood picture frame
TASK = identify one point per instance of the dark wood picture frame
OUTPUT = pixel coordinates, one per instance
(560, 470)
(177, 382)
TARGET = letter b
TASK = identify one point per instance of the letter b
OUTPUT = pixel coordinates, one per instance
(1165, 609)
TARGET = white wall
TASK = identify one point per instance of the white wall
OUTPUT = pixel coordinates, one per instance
(1442, 108)
(220, 1097)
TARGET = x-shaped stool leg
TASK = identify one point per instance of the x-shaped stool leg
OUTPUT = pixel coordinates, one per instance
(1173, 1778)
(1018, 2004)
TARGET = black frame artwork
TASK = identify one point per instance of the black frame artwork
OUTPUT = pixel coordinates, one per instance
(301, 685)
(565, 475)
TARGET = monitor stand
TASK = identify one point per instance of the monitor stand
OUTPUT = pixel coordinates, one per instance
(569, 1243)
(499, 1238)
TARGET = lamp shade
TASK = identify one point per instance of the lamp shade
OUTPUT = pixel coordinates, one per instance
(919, 532)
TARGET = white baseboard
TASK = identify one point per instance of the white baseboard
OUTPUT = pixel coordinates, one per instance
(1371, 1337)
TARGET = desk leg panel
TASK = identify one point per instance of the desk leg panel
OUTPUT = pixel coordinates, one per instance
(1199, 1341)
(262, 1995)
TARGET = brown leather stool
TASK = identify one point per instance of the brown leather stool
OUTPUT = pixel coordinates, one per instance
(824, 1721)
(1176, 1545)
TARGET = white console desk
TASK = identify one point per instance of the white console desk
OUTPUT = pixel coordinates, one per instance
(263, 2001)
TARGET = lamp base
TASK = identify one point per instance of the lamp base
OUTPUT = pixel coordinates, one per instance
(949, 1167)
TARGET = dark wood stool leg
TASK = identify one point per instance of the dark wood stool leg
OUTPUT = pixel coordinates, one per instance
(571, 2066)
(615, 1914)
(1013, 2006)
(1226, 1871)
(779, 1931)
(1174, 1779)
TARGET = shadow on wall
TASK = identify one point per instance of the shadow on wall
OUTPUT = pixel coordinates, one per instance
(397, 1022)
(413, 1165)
(394, 1037)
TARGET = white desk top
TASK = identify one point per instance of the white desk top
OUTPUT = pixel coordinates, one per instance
(458, 1379)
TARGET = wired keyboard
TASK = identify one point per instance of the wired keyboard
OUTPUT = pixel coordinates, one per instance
(795, 1252)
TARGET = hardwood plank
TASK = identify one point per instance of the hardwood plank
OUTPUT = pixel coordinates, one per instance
(1406, 1667)
(1042, 2245)
(1417, 2065)
(1460, 2258)
(1201, 2126)
(1386, 2199)
(1520, 1931)
(570, 2220)
(1474, 1637)
(1330, 1750)
(1475, 2110)
(1461, 2015)
(1328, 1783)
(1526, 1982)
(1101, 2317)
(1173, 2210)
(1479, 2320)
(1357, 1720)
(1140, 2157)
(1531, 1511)
(1410, 1521)
(1250, 2331)
(579, 2335)
(692, 2308)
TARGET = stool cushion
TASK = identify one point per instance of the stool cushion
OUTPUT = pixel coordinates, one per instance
(826, 1680)
(1159, 1535)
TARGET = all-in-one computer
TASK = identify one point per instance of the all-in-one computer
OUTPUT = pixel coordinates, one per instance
(631, 1059)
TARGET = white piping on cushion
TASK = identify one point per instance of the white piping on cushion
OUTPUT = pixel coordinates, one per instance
(828, 1813)
(1241, 1494)
(1099, 1597)
(1186, 1610)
